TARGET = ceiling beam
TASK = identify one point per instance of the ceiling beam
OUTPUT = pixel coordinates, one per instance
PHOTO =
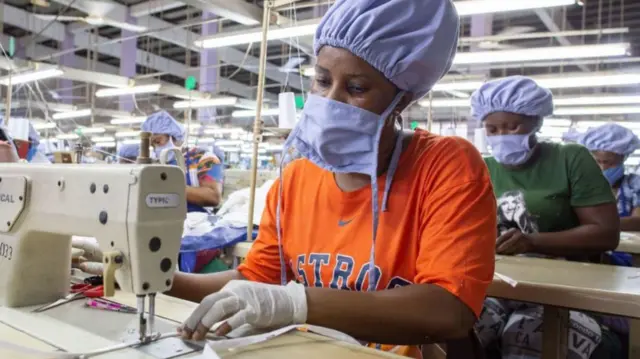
(239, 11)
(20, 18)
(154, 6)
(185, 38)
(553, 21)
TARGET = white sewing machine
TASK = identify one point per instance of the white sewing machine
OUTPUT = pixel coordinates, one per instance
(136, 213)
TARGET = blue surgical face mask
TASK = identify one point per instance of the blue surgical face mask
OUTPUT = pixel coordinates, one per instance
(341, 138)
(614, 174)
(32, 152)
(510, 150)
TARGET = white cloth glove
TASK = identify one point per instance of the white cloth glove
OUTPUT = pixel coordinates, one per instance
(258, 304)
(86, 255)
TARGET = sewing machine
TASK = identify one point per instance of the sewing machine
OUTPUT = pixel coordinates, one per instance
(136, 213)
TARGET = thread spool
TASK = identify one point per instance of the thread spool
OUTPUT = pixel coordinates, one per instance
(145, 140)
(287, 118)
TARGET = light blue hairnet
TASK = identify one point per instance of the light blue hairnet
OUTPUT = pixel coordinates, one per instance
(611, 138)
(516, 94)
(129, 150)
(163, 123)
(411, 42)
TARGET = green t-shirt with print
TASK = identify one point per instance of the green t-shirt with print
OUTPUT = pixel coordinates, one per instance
(540, 197)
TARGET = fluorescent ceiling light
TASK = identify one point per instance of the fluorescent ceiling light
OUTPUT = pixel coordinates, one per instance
(103, 138)
(542, 53)
(30, 76)
(603, 99)
(130, 142)
(71, 114)
(68, 136)
(557, 122)
(44, 126)
(588, 124)
(90, 130)
(475, 7)
(618, 110)
(203, 140)
(303, 28)
(308, 27)
(128, 120)
(212, 102)
(223, 131)
(568, 80)
(105, 144)
(229, 143)
(133, 90)
(252, 113)
(597, 100)
(127, 134)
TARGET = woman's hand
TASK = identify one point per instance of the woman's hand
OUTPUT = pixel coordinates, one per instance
(514, 242)
(244, 302)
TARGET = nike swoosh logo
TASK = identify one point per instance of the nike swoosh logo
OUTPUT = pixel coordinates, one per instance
(342, 223)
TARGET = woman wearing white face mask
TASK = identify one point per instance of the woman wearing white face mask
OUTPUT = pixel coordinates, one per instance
(204, 169)
(384, 234)
(552, 200)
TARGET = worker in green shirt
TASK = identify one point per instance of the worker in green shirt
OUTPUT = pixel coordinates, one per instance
(553, 201)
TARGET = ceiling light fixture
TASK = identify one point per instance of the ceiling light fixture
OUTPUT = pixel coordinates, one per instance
(252, 113)
(91, 130)
(128, 120)
(133, 90)
(103, 138)
(308, 27)
(603, 99)
(67, 136)
(71, 114)
(30, 76)
(542, 54)
(618, 110)
(212, 102)
(105, 144)
(583, 125)
(127, 134)
(44, 126)
(568, 80)
(476, 7)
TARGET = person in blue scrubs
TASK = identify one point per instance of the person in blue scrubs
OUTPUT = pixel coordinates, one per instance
(128, 154)
(205, 188)
(611, 144)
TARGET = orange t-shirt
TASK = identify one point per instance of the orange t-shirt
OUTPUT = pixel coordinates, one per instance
(439, 227)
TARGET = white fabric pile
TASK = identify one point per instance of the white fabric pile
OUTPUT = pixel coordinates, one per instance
(235, 210)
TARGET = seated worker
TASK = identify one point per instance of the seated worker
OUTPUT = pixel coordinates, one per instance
(339, 244)
(203, 190)
(611, 144)
(553, 201)
(128, 154)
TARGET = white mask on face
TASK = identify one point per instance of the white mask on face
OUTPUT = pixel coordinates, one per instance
(158, 149)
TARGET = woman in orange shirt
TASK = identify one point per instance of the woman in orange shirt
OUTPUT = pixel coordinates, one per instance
(386, 263)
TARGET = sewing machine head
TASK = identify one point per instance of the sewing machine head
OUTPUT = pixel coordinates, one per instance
(135, 212)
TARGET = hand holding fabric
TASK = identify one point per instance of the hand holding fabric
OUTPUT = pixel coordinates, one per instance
(88, 256)
(514, 242)
(244, 302)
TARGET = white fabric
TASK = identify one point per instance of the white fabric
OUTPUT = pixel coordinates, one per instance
(197, 224)
(235, 210)
(258, 304)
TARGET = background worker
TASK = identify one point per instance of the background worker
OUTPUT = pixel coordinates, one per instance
(384, 234)
(610, 145)
(552, 201)
(204, 170)
(128, 153)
